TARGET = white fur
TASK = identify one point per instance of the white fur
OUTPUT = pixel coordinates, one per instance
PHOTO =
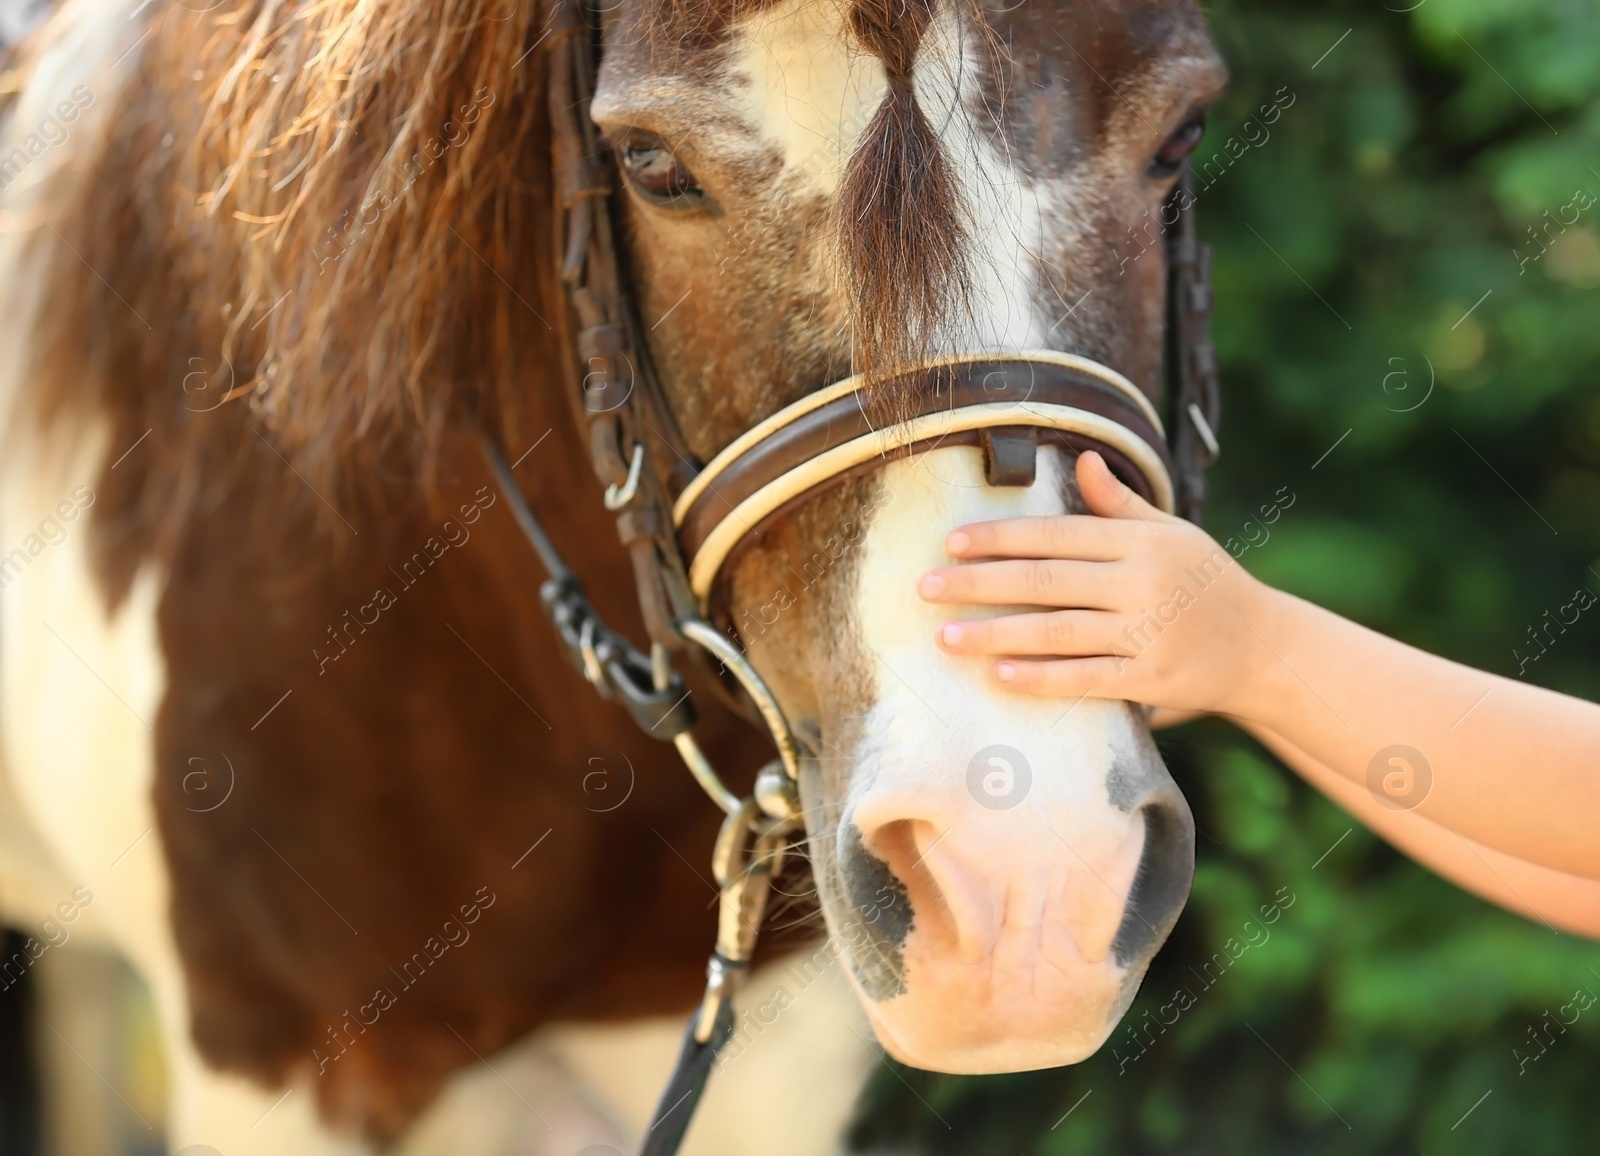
(806, 88)
(934, 700)
(782, 1090)
(80, 762)
(1024, 901)
(74, 709)
(1003, 212)
(78, 692)
(80, 689)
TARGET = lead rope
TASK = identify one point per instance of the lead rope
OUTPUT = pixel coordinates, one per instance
(743, 881)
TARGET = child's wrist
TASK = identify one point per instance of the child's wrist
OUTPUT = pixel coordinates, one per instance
(1266, 619)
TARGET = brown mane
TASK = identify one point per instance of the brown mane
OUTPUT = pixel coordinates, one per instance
(346, 203)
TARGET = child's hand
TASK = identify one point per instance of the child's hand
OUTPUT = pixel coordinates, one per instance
(1143, 606)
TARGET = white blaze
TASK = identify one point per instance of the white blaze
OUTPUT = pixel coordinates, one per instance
(807, 88)
(1008, 964)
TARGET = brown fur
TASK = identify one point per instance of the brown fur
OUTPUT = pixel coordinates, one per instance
(400, 780)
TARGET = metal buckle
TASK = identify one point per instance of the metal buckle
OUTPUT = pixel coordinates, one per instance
(651, 691)
(592, 670)
(1203, 428)
(743, 878)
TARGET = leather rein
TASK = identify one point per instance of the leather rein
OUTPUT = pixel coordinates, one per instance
(684, 524)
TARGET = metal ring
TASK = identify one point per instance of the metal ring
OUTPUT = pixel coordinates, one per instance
(616, 498)
(704, 773)
(705, 635)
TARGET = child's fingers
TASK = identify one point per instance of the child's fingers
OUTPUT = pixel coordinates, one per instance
(1062, 632)
(1086, 585)
(1064, 677)
(1079, 536)
(1107, 496)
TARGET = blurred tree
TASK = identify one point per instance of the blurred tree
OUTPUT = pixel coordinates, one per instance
(1408, 277)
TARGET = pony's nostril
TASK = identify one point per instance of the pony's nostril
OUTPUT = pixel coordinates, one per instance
(896, 874)
(1161, 886)
(902, 844)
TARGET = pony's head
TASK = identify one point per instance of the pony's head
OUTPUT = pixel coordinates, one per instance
(820, 187)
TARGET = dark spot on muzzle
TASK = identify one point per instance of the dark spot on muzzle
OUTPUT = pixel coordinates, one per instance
(1125, 786)
(879, 919)
(1134, 776)
(1161, 885)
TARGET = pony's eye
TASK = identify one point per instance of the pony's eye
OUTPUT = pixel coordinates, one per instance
(1171, 155)
(657, 175)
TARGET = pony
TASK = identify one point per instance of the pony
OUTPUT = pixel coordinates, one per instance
(276, 692)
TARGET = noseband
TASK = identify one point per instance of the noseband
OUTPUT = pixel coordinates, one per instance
(685, 525)
(1007, 403)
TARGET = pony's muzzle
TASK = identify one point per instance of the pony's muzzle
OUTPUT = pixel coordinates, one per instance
(1025, 928)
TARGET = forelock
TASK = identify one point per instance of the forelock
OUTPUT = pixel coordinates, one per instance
(903, 224)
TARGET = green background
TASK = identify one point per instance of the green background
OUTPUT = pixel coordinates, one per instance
(1399, 188)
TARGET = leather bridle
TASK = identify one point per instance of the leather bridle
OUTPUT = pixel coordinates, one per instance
(1007, 403)
(684, 524)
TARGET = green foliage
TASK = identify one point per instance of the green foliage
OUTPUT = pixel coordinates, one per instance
(1420, 157)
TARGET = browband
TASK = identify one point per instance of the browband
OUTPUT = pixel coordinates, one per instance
(1006, 402)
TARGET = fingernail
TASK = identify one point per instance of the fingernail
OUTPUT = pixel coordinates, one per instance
(951, 633)
(1005, 672)
(957, 542)
(931, 586)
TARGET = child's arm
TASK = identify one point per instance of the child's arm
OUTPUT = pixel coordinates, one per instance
(1553, 898)
(1150, 609)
